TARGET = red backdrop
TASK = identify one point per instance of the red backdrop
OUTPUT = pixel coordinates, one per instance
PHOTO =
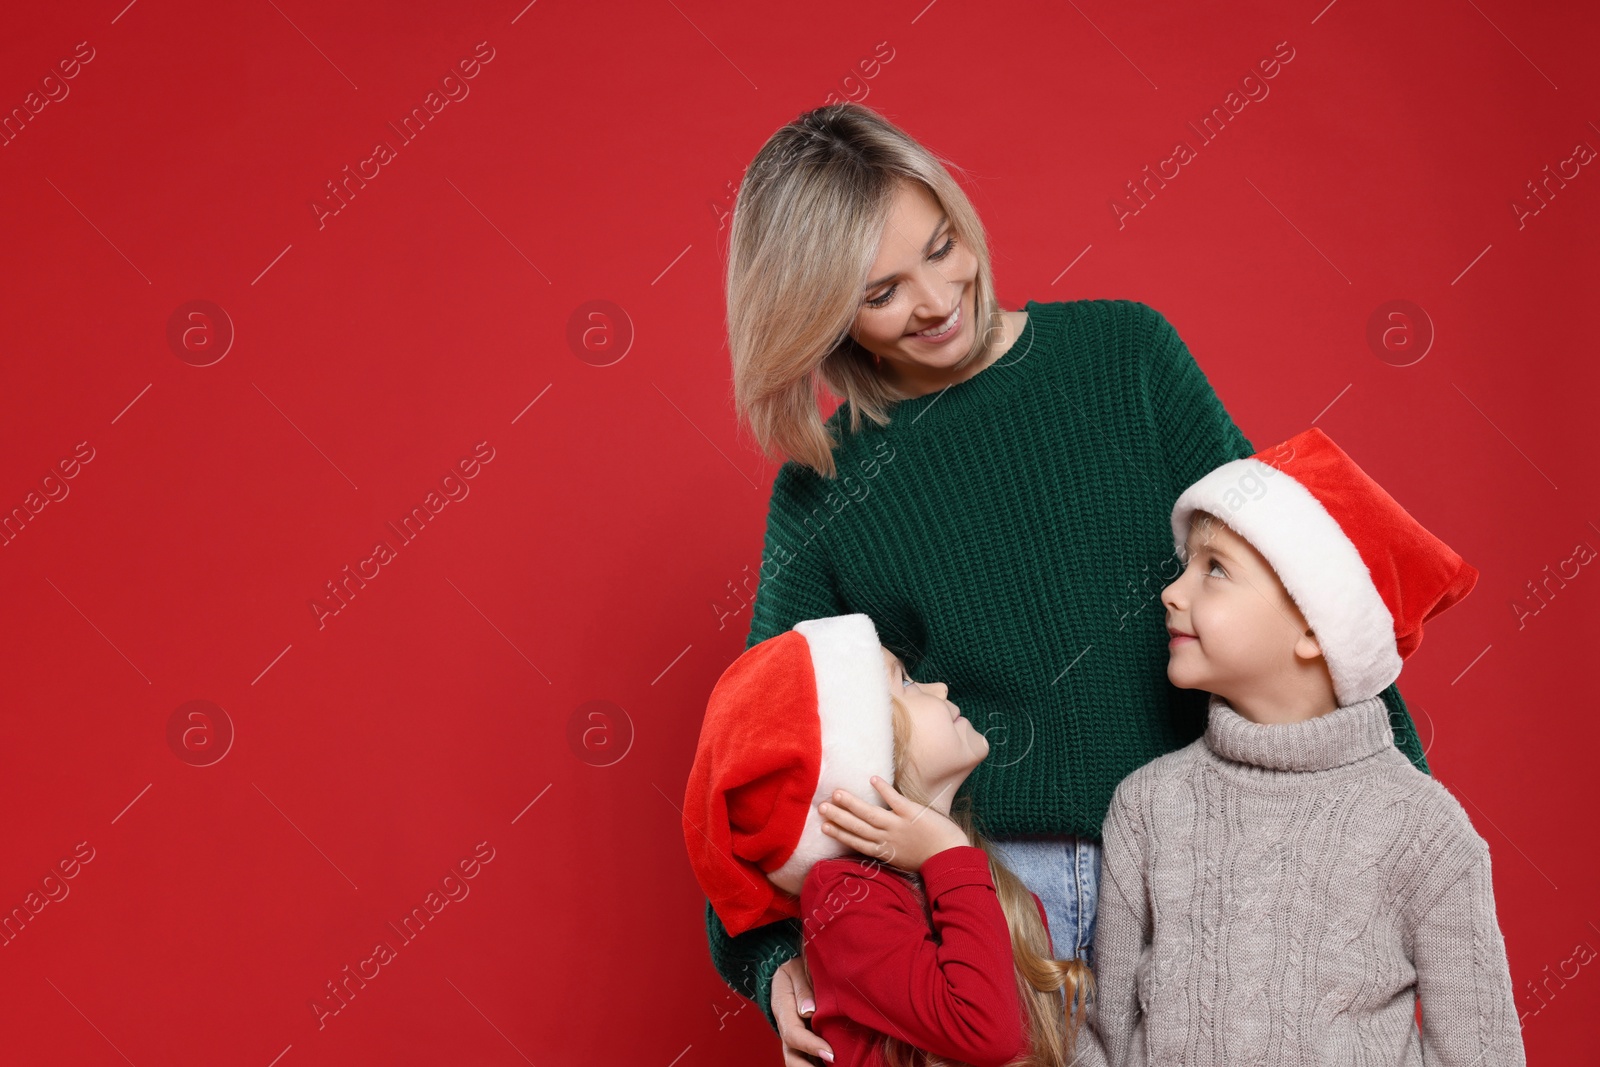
(244, 345)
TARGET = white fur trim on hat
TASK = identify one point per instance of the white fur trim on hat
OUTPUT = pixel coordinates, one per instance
(1319, 566)
(857, 730)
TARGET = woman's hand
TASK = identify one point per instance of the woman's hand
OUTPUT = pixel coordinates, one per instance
(906, 835)
(791, 999)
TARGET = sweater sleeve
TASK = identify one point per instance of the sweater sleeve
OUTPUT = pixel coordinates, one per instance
(1194, 430)
(1469, 1017)
(748, 962)
(954, 997)
(1122, 930)
(1405, 730)
(1197, 436)
(795, 584)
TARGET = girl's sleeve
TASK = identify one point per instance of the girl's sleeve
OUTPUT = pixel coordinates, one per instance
(1122, 929)
(795, 584)
(1469, 1018)
(955, 997)
(1197, 435)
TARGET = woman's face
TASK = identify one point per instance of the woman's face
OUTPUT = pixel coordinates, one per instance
(924, 273)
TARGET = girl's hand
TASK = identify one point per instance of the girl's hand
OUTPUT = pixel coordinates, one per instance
(906, 835)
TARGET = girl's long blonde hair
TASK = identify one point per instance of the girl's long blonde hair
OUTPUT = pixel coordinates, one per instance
(1055, 991)
(806, 227)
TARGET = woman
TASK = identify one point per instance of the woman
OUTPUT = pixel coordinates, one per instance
(994, 491)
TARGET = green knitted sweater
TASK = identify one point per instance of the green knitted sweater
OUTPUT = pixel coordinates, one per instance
(1010, 536)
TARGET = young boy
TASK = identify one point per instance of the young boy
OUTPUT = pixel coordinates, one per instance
(1287, 888)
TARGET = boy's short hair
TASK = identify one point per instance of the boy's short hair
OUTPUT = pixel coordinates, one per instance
(1203, 521)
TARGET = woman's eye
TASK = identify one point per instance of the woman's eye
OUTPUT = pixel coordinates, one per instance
(880, 301)
(904, 682)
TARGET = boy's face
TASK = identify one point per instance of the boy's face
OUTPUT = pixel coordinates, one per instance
(1233, 628)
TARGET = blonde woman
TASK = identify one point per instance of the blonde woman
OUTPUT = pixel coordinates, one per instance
(994, 491)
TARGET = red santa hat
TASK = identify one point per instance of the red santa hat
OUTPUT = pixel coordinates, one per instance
(792, 719)
(1362, 571)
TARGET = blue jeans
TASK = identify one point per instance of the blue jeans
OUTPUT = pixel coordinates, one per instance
(1065, 872)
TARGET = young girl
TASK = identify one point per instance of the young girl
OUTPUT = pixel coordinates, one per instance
(932, 952)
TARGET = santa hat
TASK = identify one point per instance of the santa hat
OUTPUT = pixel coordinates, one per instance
(1363, 572)
(794, 718)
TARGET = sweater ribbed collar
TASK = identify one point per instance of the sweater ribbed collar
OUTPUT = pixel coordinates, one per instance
(997, 376)
(1345, 734)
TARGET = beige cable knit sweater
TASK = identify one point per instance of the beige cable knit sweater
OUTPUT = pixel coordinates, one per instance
(1286, 894)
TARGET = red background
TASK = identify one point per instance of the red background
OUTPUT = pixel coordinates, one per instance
(606, 550)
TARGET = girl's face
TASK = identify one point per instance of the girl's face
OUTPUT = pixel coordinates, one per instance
(945, 746)
(923, 273)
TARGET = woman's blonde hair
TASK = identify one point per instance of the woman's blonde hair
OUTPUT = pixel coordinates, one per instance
(1055, 991)
(807, 223)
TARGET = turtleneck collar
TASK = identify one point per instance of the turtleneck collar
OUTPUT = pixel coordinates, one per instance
(1345, 734)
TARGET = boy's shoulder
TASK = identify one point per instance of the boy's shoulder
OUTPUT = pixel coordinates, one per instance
(1440, 819)
(1178, 763)
(1157, 774)
(1429, 836)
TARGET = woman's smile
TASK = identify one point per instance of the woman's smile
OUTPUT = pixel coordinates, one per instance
(950, 327)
